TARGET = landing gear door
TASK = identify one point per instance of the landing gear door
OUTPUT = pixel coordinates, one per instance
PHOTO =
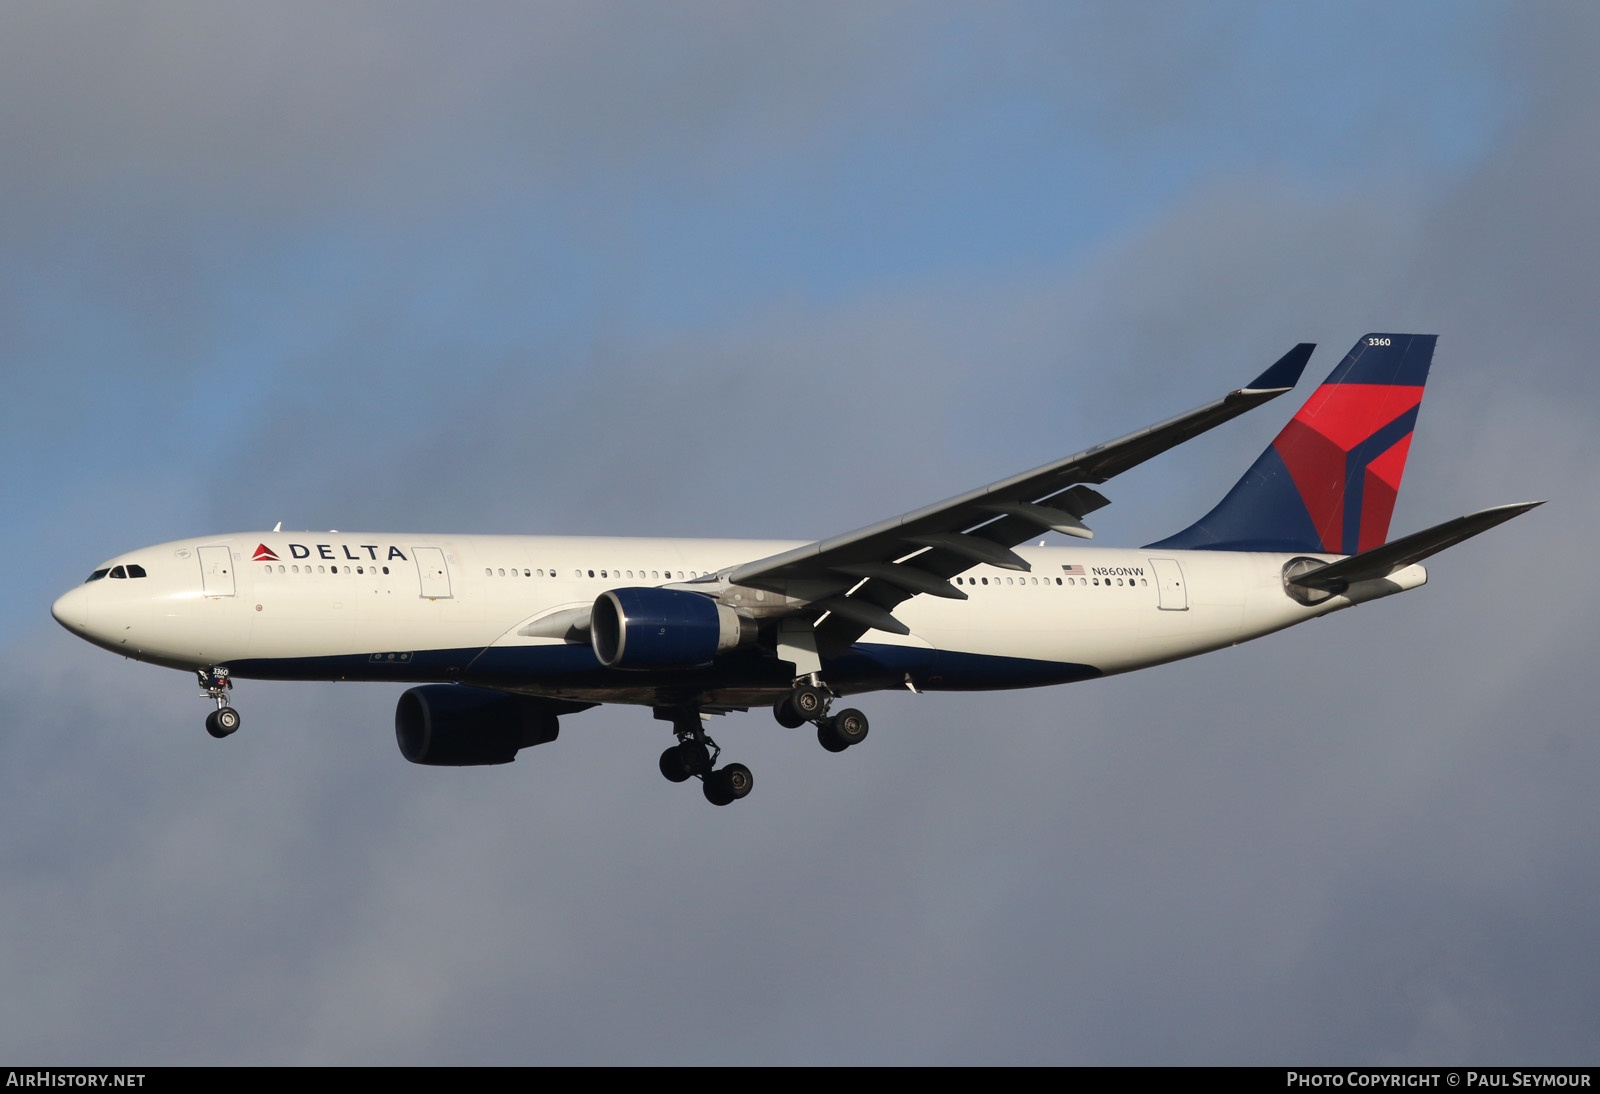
(1169, 579)
(433, 571)
(216, 571)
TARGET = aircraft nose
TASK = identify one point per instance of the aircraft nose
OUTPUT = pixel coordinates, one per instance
(71, 609)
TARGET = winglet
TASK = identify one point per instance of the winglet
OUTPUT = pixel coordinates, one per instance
(1285, 373)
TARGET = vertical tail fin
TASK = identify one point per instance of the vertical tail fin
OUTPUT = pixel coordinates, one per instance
(1328, 483)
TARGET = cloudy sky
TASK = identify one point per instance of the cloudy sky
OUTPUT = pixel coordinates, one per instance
(781, 270)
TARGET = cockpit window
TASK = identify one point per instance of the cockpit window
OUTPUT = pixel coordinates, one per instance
(135, 570)
(96, 576)
(119, 572)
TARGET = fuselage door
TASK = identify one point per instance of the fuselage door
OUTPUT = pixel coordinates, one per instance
(433, 571)
(1169, 578)
(216, 571)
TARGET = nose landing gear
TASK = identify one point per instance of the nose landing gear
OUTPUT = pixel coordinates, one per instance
(215, 684)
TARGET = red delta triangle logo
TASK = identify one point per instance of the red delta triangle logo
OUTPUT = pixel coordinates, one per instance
(264, 554)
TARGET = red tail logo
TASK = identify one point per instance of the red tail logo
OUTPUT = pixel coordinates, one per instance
(264, 554)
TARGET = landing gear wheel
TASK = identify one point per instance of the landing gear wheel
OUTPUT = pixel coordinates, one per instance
(787, 716)
(848, 727)
(222, 722)
(738, 779)
(696, 758)
(808, 702)
(672, 765)
(828, 740)
(684, 760)
(728, 785)
(851, 726)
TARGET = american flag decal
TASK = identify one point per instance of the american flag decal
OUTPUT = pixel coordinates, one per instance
(1072, 569)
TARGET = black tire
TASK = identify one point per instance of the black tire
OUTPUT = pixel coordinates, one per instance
(828, 739)
(716, 790)
(850, 726)
(215, 724)
(787, 716)
(808, 702)
(696, 758)
(736, 780)
(228, 719)
(672, 768)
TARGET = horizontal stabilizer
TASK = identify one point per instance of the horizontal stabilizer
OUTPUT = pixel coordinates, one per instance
(1383, 561)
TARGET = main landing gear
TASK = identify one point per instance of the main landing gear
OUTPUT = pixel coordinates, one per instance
(809, 702)
(215, 684)
(695, 756)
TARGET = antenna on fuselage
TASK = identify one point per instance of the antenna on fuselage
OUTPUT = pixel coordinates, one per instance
(278, 527)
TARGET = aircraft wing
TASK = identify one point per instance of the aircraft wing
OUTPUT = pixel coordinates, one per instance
(859, 577)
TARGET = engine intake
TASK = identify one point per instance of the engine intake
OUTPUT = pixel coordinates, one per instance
(454, 725)
(663, 628)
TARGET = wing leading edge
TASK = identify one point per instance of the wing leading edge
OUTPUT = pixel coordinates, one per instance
(860, 576)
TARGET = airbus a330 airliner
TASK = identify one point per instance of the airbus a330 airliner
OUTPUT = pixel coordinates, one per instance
(507, 634)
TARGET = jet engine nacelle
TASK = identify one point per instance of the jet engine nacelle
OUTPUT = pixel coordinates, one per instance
(454, 725)
(663, 628)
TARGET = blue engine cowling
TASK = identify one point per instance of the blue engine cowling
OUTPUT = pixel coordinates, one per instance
(454, 725)
(662, 628)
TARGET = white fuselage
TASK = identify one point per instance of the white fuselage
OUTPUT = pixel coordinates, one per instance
(449, 608)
